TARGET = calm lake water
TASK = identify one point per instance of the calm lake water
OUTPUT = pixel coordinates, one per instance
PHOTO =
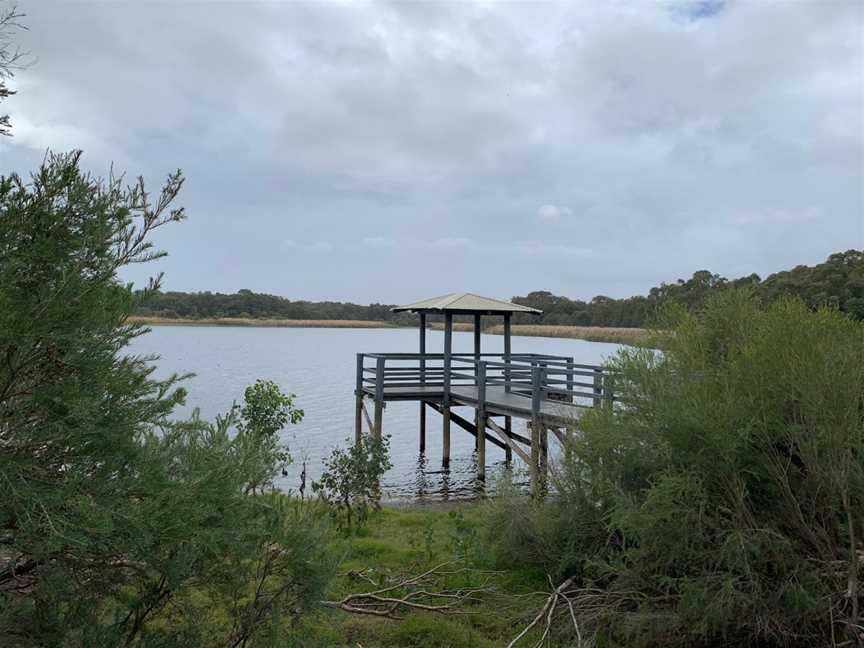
(318, 365)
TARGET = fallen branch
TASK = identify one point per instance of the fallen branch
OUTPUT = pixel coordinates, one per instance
(584, 609)
(423, 592)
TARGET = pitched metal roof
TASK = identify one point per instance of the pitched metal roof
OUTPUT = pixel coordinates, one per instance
(465, 303)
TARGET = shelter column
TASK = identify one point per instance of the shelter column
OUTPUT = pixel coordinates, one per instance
(422, 381)
(445, 409)
(481, 421)
(477, 322)
(508, 420)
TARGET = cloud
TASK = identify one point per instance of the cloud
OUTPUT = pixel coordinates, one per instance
(379, 242)
(452, 243)
(406, 123)
(322, 247)
(553, 213)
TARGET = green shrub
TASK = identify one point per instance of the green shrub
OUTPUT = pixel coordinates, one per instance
(723, 501)
(120, 525)
(351, 481)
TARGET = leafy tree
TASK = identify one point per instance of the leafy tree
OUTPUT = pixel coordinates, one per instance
(351, 480)
(120, 525)
(266, 411)
(722, 503)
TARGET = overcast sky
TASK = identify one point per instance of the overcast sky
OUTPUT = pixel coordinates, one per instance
(395, 151)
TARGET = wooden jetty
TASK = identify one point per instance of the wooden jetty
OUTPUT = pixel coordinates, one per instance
(551, 392)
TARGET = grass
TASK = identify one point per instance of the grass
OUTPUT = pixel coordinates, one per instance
(250, 321)
(410, 541)
(614, 334)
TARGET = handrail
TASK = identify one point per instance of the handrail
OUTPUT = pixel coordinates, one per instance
(560, 378)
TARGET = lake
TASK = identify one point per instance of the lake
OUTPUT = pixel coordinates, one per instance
(318, 365)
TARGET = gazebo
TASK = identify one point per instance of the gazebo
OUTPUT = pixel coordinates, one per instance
(541, 389)
(460, 304)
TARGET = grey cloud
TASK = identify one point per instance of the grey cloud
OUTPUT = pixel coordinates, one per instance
(653, 138)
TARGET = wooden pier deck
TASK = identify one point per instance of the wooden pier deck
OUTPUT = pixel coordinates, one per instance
(498, 402)
(550, 392)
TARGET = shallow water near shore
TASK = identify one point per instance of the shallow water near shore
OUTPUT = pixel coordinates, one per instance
(318, 366)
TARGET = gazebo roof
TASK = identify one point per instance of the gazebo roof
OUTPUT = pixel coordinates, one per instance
(466, 304)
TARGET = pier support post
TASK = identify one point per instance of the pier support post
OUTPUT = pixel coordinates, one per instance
(537, 478)
(422, 427)
(379, 398)
(445, 455)
(481, 421)
(358, 403)
(422, 381)
(445, 409)
(544, 453)
(508, 428)
(598, 388)
(358, 419)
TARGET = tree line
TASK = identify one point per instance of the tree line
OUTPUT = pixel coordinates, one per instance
(837, 282)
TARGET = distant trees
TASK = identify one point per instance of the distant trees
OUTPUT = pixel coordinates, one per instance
(838, 282)
(245, 303)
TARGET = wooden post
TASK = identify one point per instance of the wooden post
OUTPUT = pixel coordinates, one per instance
(598, 388)
(422, 381)
(508, 428)
(358, 401)
(448, 349)
(536, 379)
(477, 322)
(507, 352)
(570, 369)
(379, 397)
(481, 421)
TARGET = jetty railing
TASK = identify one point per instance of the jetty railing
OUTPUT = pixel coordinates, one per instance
(538, 377)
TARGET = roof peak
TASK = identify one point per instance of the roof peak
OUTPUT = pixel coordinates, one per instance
(466, 302)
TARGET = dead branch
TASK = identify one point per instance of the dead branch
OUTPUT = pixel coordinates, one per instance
(583, 609)
(425, 592)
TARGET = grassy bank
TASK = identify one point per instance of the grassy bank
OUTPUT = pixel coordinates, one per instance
(617, 335)
(409, 542)
(249, 321)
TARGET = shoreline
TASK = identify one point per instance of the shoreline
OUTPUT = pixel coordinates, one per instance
(613, 335)
(249, 321)
(610, 334)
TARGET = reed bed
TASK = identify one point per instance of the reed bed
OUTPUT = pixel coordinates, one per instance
(616, 335)
(249, 321)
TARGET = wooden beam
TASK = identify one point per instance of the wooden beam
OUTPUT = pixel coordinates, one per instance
(368, 418)
(467, 425)
(510, 444)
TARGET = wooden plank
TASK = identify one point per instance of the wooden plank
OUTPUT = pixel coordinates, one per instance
(467, 425)
(510, 444)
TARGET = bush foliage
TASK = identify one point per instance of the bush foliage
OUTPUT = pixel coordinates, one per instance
(120, 525)
(724, 502)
